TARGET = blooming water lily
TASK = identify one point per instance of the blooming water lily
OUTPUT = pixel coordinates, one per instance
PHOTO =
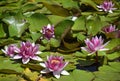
(11, 50)
(95, 44)
(56, 65)
(28, 51)
(48, 31)
(109, 29)
(107, 6)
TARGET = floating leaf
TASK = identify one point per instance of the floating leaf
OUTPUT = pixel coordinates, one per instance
(30, 75)
(54, 43)
(16, 26)
(12, 67)
(4, 42)
(12, 77)
(71, 45)
(89, 2)
(56, 9)
(83, 62)
(35, 36)
(79, 24)
(103, 76)
(81, 37)
(94, 26)
(55, 19)
(65, 78)
(62, 28)
(32, 66)
(37, 21)
(43, 79)
(113, 56)
(80, 75)
(2, 33)
(113, 43)
(71, 4)
(112, 70)
(115, 65)
(30, 7)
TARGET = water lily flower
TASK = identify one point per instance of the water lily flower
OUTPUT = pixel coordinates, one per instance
(48, 31)
(55, 64)
(95, 44)
(109, 29)
(107, 6)
(28, 51)
(11, 50)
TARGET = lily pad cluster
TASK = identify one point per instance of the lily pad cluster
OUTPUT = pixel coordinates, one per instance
(42, 39)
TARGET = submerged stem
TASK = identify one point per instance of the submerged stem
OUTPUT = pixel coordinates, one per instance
(96, 56)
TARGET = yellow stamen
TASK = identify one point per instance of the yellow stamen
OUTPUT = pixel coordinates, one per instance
(55, 61)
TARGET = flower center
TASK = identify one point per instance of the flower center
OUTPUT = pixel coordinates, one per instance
(55, 61)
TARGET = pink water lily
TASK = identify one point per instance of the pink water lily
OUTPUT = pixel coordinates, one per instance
(110, 28)
(11, 50)
(48, 31)
(95, 44)
(28, 51)
(107, 6)
(56, 65)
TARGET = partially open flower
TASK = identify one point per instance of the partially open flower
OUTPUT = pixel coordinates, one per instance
(28, 51)
(110, 28)
(95, 44)
(107, 6)
(48, 31)
(56, 65)
(11, 50)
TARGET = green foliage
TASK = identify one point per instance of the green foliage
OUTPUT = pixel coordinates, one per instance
(2, 33)
(4, 77)
(112, 70)
(56, 9)
(89, 2)
(113, 43)
(94, 25)
(54, 43)
(37, 21)
(62, 28)
(15, 26)
(78, 75)
(79, 24)
(12, 67)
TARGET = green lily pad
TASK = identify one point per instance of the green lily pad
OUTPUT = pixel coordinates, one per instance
(37, 21)
(56, 9)
(80, 75)
(12, 66)
(15, 26)
(4, 77)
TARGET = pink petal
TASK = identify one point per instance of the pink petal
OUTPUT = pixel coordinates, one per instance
(85, 49)
(37, 58)
(39, 52)
(26, 60)
(104, 49)
(105, 44)
(64, 72)
(66, 63)
(45, 71)
(3, 51)
(17, 57)
(49, 26)
(43, 65)
(56, 74)
(91, 53)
